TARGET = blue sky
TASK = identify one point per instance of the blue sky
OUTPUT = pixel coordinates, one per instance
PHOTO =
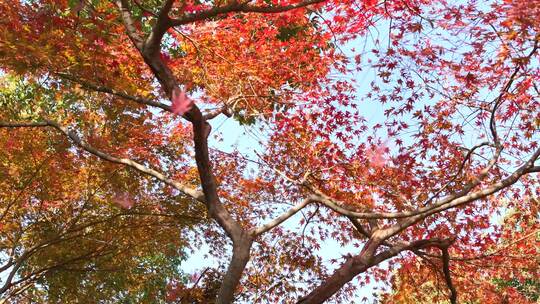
(234, 136)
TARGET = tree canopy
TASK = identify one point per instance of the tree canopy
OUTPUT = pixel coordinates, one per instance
(399, 136)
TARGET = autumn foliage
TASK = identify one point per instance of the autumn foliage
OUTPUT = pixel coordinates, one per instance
(393, 142)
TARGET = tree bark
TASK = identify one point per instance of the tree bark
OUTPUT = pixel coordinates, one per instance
(344, 274)
(351, 268)
(241, 255)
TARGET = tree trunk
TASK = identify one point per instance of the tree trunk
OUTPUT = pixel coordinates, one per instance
(333, 284)
(344, 274)
(241, 255)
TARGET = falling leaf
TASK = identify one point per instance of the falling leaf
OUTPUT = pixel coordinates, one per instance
(377, 155)
(180, 102)
(124, 200)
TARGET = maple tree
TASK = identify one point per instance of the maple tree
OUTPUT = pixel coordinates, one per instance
(65, 224)
(106, 122)
(477, 275)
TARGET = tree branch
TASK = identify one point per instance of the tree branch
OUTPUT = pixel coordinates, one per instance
(280, 219)
(534, 169)
(129, 23)
(462, 197)
(362, 262)
(108, 90)
(447, 275)
(242, 240)
(496, 250)
(195, 194)
(236, 6)
(355, 265)
(461, 166)
(152, 45)
(213, 114)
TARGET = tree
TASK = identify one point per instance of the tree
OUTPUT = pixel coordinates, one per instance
(506, 272)
(457, 84)
(70, 233)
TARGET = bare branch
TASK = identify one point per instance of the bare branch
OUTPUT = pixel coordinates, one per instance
(459, 200)
(447, 275)
(278, 9)
(280, 219)
(534, 169)
(124, 161)
(129, 23)
(358, 226)
(213, 114)
(107, 90)
(236, 6)
(242, 240)
(462, 197)
(201, 129)
(152, 45)
(19, 124)
(355, 265)
(462, 165)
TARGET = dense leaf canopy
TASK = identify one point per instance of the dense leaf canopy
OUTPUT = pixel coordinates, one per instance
(403, 131)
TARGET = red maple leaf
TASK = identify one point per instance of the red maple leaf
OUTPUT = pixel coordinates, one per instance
(377, 156)
(180, 102)
(123, 200)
